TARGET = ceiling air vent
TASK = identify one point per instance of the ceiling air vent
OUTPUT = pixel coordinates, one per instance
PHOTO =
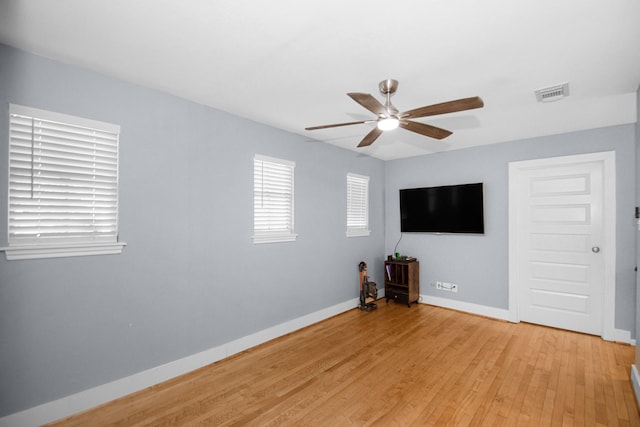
(552, 93)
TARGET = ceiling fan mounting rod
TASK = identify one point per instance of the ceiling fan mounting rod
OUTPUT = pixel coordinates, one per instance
(388, 87)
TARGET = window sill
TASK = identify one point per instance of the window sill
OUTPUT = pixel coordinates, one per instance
(60, 251)
(274, 238)
(358, 233)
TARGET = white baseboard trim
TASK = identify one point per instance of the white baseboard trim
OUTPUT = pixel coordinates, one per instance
(90, 398)
(619, 335)
(467, 307)
(635, 381)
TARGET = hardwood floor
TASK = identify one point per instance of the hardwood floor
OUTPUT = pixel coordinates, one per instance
(398, 366)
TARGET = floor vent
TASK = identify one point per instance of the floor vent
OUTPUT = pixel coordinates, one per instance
(552, 93)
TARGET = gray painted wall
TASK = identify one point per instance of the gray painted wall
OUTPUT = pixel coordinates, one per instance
(479, 263)
(637, 227)
(190, 278)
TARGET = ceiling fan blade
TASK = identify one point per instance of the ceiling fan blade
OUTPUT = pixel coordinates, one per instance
(371, 136)
(338, 125)
(445, 107)
(369, 102)
(426, 130)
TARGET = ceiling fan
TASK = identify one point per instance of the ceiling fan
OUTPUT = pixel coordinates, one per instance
(390, 118)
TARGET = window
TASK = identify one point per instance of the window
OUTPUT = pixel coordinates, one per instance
(63, 185)
(357, 205)
(272, 200)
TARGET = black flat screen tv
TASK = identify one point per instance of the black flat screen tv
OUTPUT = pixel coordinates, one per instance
(445, 209)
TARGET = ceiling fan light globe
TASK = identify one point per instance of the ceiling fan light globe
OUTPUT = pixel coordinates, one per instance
(388, 123)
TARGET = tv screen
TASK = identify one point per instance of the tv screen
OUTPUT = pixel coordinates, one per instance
(445, 209)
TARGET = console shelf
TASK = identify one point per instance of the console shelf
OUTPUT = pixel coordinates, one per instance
(402, 281)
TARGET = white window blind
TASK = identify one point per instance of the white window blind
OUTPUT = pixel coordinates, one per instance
(63, 181)
(357, 205)
(272, 200)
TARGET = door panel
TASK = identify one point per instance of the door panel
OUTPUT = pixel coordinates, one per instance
(559, 301)
(559, 242)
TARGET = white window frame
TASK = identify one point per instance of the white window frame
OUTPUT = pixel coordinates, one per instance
(273, 219)
(357, 205)
(28, 241)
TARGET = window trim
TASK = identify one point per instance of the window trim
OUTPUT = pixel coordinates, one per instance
(275, 236)
(19, 250)
(61, 251)
(358, 231)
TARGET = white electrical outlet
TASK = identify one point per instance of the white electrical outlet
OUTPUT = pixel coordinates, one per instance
(439, 285)
(454, 287)
(446, 286)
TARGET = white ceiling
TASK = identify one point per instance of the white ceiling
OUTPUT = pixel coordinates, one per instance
(290, 63)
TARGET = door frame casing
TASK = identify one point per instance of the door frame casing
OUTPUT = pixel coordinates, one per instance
(516, 169)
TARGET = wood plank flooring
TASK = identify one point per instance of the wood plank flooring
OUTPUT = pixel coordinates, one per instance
(398, 366)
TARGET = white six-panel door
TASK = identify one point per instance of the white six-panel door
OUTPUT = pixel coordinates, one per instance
(558, 233)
